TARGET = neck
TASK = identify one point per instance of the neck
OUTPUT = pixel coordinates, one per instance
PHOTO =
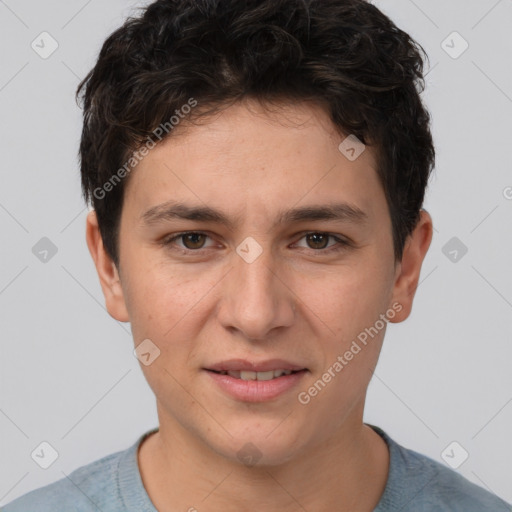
(344, 473)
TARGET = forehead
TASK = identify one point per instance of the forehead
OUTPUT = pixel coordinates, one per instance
(249, 156)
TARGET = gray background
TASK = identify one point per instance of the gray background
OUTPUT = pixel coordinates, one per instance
(67, 372)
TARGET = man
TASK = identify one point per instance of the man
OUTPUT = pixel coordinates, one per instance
(257, 172)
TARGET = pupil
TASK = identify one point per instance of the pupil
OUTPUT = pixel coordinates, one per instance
(315, 237)
(192, 237)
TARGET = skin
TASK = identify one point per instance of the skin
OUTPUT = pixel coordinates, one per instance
(293, 302)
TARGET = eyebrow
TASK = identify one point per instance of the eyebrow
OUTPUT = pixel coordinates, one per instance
(171, 210)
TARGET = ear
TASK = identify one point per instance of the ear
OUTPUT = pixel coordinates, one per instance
(408, 270)
(107, 271)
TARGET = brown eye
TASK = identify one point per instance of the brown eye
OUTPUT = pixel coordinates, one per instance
(193, 240)
(320, 243)
(188, 242)
(317, 240)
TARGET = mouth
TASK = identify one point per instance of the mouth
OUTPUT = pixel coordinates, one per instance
(251, 375)
(248, 381)
(255, 370)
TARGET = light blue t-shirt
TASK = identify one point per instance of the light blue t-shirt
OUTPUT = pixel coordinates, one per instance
(415, 483)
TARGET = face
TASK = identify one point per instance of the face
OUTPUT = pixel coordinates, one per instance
(252, 238)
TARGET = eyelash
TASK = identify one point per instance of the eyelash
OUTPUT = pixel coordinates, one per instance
(341, 244)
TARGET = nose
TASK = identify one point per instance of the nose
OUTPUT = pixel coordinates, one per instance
(256, 298)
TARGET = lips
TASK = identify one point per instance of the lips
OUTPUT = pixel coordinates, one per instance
(248, 375)
(255, 386)
(255, 381)
(243, 365)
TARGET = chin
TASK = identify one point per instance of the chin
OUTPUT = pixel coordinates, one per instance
(259, 444)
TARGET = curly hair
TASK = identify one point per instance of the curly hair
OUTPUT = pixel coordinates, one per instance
(346, 55)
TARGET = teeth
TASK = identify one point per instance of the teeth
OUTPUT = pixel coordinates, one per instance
(248, 375)
(278, 373)
(265, 375)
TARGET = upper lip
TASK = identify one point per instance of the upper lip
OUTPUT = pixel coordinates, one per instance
(254, 366)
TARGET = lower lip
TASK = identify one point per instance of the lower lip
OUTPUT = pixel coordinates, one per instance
(256, 390)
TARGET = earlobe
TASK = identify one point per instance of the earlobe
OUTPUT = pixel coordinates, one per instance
(408, 270)
(107, 271)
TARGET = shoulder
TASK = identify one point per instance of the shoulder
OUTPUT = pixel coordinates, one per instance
(419, 483)
(91, 487)
(443, 486)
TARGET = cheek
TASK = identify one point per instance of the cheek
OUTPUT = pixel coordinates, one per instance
(162, 300)
(165, 307)
(346, 299)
